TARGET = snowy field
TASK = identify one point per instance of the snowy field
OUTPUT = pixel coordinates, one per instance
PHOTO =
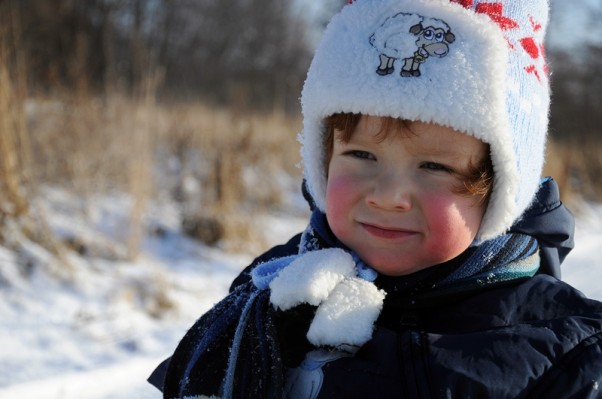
(101, 336)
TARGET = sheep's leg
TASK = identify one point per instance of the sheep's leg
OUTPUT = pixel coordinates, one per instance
(386, 65)
(407, 69)
(411, 67)
(415, 67)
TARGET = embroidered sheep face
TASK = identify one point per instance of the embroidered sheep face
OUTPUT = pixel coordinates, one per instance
(411, 38)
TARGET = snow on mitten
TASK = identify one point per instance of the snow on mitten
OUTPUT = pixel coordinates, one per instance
(346, 318)
(310, 278)
(347, 305)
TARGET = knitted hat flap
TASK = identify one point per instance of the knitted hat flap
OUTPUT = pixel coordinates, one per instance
(474, 66)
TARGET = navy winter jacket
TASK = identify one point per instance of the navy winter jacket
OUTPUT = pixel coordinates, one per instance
(531, 338)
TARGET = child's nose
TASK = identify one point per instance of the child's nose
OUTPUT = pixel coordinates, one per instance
(391, 191)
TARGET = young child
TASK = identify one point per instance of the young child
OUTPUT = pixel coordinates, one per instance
(430, 267)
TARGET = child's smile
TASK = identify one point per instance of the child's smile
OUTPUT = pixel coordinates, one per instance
(395, 200)
(387, 232)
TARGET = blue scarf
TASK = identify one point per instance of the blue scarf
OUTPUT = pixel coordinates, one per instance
(234, 350)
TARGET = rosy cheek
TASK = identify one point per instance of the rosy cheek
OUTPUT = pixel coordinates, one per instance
(339, 195)
(450, 223)
(437, 207)
(339, 190)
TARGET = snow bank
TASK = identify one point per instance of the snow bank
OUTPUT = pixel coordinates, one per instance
(583, 266)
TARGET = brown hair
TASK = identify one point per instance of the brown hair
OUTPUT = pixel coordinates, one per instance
(478, 181)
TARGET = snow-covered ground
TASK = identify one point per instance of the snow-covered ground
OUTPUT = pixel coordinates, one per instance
(99, 332)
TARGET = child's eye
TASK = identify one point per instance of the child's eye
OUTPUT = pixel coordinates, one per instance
(361, 155)
(434, 166)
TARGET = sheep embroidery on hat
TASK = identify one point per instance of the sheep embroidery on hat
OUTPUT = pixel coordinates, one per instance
(411, 38)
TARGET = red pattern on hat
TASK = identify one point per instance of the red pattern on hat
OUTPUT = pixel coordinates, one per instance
(464, 3)
(535, 50)
(536, 25)
(530, 47)
(495, 12)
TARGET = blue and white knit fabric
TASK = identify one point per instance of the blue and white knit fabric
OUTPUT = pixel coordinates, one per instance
(475, 66)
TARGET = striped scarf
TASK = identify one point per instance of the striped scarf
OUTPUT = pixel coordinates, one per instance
(233, 351)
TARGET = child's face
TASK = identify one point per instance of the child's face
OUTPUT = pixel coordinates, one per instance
(395, 200)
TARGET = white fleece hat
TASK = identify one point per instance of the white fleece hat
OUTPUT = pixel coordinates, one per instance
(475, 66)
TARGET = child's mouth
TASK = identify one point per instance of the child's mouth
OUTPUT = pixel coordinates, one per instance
(387, 232)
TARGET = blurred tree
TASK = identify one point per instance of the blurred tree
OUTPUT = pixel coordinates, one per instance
(577, 94)
(250, 52)
(237, 51)
(575, 119)
(575, 58)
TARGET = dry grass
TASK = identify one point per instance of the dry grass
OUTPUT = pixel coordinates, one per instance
(577, 167)
(20, 220)
(219, 164)
(234, 160)
(13, 136)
